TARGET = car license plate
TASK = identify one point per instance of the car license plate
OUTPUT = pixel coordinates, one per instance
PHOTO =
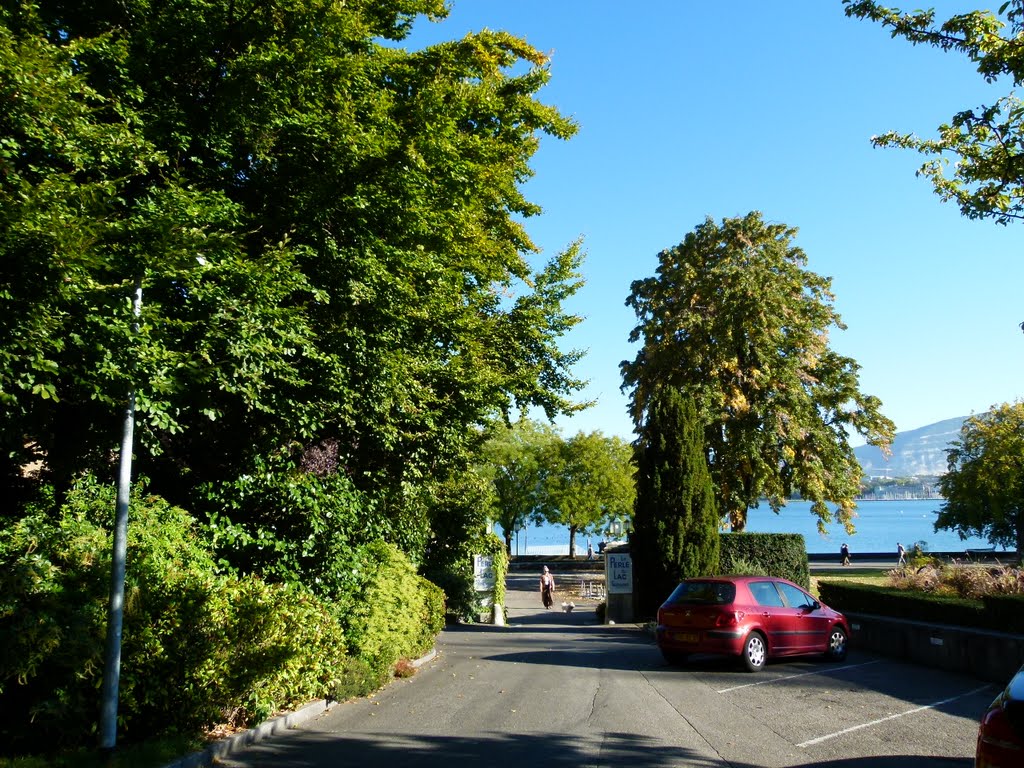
(685, 637)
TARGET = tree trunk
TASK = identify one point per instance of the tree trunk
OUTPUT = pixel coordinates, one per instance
(572, 541)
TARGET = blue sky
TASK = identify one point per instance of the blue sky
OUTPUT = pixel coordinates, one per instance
(695, 109)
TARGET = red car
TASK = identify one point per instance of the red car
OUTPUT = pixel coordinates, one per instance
(753, 617)
(1001, 734)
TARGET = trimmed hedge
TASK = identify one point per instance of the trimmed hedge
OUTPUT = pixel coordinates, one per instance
(1002, 613)
(1005, 611)
(773, 554)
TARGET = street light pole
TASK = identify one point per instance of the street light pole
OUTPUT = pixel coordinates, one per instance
(115, 613)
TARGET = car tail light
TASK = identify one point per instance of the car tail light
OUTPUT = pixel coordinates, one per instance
(729, 618)
(998, 742)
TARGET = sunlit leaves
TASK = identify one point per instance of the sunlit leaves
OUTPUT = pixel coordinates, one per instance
(978, 159)
(735, 320)
(984, 488)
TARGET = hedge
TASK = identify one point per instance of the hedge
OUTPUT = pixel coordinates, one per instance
(1000, 613)
(773, 554)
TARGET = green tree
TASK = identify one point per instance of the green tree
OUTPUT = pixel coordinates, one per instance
(588, 481)
(984, 487)
(512, 460)
(328, 229)
(735, 320)
(675, 523)
(987, 175)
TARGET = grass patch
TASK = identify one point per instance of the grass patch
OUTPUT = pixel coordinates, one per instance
(873, 576)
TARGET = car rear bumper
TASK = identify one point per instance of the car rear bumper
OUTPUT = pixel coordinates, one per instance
(686, 640)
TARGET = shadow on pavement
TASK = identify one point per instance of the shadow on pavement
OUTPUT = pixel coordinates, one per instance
(502, 750)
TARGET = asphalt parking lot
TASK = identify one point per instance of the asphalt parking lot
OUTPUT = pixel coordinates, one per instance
(554, 688)
(866, 711)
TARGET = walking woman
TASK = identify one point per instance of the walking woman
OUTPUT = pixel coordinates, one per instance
(547, 588)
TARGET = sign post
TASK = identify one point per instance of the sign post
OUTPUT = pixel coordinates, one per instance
(618, 578)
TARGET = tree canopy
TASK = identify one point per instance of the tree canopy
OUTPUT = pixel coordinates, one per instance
(984, 487)
(514, 461)
(986, 179)
(734, 319)
(537, 475)
(589, 482)
(328, 229)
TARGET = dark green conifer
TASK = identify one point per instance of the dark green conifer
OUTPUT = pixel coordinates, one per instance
(676, 518)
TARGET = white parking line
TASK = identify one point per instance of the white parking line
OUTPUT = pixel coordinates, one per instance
(792, 677)
(891, 717)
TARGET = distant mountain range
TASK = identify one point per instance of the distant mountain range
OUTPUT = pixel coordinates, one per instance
(914, 453)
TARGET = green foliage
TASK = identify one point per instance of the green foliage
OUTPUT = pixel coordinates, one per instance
(900, 603)
(777, 554)
(734, 319)
(458, 513)
(512, 461)
(393, 614)
(288, 524)
(984, 488)
(1005, 611)
(588, 480)
(329, 231)
(987, 180)
(198, 648)
(675, 524)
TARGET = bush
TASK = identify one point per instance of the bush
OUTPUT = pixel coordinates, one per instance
(393, 613)
(772, 554)
(1005, 611)
(457, 510)
(197, 648)
(901, 603)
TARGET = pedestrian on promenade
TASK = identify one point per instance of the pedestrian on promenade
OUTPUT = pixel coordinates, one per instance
(902, 553)
(547, 588)
(590, 549)
(844, 552)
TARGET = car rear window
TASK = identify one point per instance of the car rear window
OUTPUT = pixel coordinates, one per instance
(704, 593)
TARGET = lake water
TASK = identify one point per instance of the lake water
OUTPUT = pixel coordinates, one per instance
(880, 524)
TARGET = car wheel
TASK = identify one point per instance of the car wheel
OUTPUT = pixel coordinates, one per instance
(755, 652)
(674, 658)
(836, 644)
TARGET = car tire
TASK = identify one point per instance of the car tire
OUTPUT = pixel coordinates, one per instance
(837, 642)
(674, 658)
(755, 652)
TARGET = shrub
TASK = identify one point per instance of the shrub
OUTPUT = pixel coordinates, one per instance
(891, 601)
(773, 554)
(393, 613)
(458, 517)
(197, 647)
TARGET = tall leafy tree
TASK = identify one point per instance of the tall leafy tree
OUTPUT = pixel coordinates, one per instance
(513, 461)
(984, 487)
(588, 481)
(734, 319)
(675, 523)
(986, 179)
(328, 230)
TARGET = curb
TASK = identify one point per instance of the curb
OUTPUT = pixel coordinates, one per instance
(267, 729)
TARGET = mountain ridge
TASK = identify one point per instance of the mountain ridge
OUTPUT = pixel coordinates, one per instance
(915, 453)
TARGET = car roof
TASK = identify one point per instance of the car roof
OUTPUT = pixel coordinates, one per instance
(745, 578)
